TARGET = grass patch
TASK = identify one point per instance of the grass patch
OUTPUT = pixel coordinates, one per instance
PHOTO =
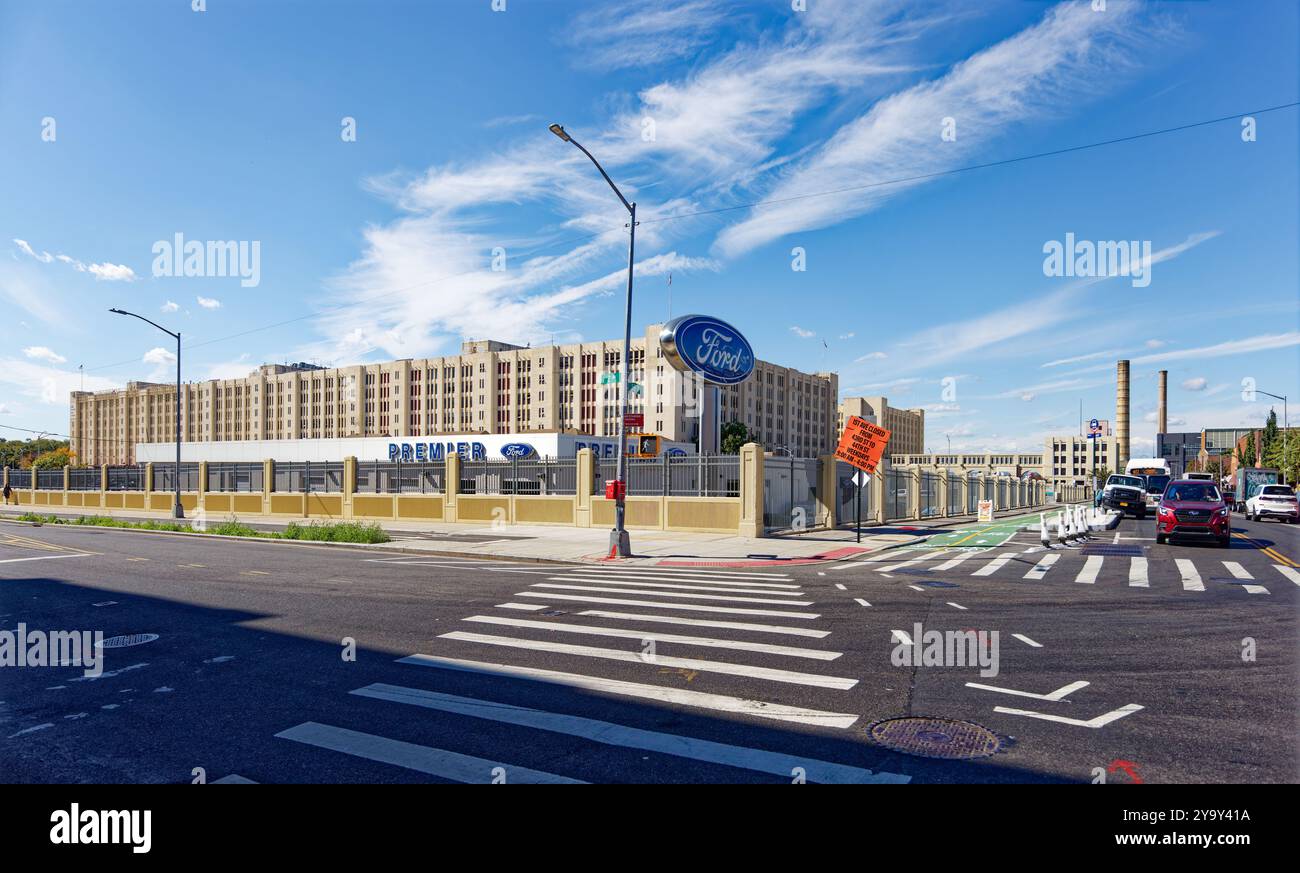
(317, 531)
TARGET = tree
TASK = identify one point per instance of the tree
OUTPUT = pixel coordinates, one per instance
(734, 435)
(21, 453)
(55, 459)
(1101, 474)
(1270, 435)
(1290, 447)
(1247, 456)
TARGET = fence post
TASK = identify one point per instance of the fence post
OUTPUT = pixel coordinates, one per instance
(349, 483)
(879, 480)
(67, 482)
(6, 476)
(103, 480)
(584, 477)
(268, 484)
(148, 483)
(201, 487)
(942, 510)
(452, 488)
(751, 490)
(828, 497)
(914, 494)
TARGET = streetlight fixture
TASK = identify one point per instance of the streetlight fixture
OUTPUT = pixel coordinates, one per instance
(178, 511)
(619, 543)
(1285, 428)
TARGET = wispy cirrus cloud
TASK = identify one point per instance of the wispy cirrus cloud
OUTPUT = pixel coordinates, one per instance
(103, 271)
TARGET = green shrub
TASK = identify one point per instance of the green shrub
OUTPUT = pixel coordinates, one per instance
(336, 532)
(233, 527)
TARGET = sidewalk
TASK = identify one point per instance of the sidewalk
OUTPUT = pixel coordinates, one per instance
(583, 545)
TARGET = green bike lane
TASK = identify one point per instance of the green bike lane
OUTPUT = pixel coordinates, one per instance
(986, 535)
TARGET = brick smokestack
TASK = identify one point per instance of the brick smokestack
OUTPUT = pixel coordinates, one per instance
(1162, 416)
(1121, 413)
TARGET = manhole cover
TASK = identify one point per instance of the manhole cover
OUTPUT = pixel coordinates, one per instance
(935, 737)
(128, 640)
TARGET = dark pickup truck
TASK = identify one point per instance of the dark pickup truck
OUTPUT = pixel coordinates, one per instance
(1126, 494)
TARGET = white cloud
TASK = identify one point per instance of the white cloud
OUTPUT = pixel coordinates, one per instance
(1246, 345)
(801, 333)
(5, 410)
(636, 34)
(847, 336)
(1079, 358)
(112, 272)
(208, 302)
(106, 271)
(169, 306)
(159, 355)
(1154, 343)
(870, 356)
(47, 384)
(43, 257)
(1197, 383)
(239, 368)
(42, 353)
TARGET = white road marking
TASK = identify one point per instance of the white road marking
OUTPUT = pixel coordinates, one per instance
(1059, 694)
(890, 568)
(995, 565)
(423, 759)
(529, 607)
(1237, 571)
(1255, 589)
(1137, 573)
(641, 634)
(1039, 570)
(1098, 722)
(40, 558)
(791, 677)
(956, 606)
(611, 734)
(861, 602)
(684, 607)
(899, 636)
(685, 581)
(841, 587)
(681, 571)
(917, 588)
(949, 564)
(656, 593)
(1191, 578)
(1027, 641)
(586, 583)
(703, 622)
(681, 697)
(1288, 572)
(1091, 567)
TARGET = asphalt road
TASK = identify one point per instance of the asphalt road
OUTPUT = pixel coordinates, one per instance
(526, 672)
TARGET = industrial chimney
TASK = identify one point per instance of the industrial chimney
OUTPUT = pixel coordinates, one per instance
(1162, 417)
(1121, 414)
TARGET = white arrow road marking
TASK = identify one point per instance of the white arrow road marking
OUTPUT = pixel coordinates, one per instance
(1098, 722)
(1288, 572)
(901, 637)
(1059, 694)
(1027, 641)
(1191, 578)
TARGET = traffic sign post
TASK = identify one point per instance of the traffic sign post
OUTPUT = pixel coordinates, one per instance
(863, 445)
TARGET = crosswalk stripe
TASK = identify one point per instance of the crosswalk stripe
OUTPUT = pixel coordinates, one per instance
(611, 734)
(528, 607)
(679, 696)
(684, 607)
(1191, 578)
(1237, 571)
(704, 622)
(620, 578)
(899, 636)
(657, 593)
(949, 564)
(636, 634)
(792, 677)
(995, 565)
(1255, 589)
(1027, 641)
(1288, 572)
(1137, 573)
(1091, 567)
(889, 568)
(424, 759)
(681, 571)
(639, 584)
(1039, 570)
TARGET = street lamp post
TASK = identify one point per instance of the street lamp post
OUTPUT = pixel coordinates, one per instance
(619, 543)
(1285, 426)
(178, 511)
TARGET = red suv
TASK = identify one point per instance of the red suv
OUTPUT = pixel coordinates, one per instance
(1193, 508)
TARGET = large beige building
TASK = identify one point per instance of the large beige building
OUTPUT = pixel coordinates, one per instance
(1073, 458)
(907, 425)
(490, 387)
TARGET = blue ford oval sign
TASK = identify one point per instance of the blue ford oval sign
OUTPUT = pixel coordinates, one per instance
(516, 450)
(707, 346)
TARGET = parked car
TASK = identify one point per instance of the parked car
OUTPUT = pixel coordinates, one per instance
(1125, 494)
(1273, 501)
(1194, 509)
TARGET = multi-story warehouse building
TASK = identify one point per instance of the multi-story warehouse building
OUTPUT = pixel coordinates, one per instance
(907, 425)
(491, 387)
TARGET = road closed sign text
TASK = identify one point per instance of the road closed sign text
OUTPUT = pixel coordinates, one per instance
(862, 444)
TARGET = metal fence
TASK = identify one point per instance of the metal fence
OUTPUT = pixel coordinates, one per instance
(930, 487)
(299, 477)
(126, 478)
(790, 493)
(20, 478)
(164, 477)
(227, 477)
(674, 476)
(49, 480)
(898, 486)
(549, 476)
(83, 479)
(954, 493)
(395, 477)
(848, 510)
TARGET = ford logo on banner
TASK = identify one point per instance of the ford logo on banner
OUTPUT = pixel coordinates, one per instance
(675, 452)
(707, 346)
(516, 450)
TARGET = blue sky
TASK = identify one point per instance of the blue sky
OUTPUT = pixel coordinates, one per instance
(226, 125)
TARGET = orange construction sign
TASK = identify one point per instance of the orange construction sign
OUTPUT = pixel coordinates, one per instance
(862, 444)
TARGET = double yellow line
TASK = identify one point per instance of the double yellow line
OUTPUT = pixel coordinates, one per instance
(1268, 550)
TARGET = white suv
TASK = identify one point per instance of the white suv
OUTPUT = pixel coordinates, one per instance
(1274, 501)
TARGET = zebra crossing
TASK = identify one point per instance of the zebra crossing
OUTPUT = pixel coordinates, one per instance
(1135, 572)
(636, 636)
